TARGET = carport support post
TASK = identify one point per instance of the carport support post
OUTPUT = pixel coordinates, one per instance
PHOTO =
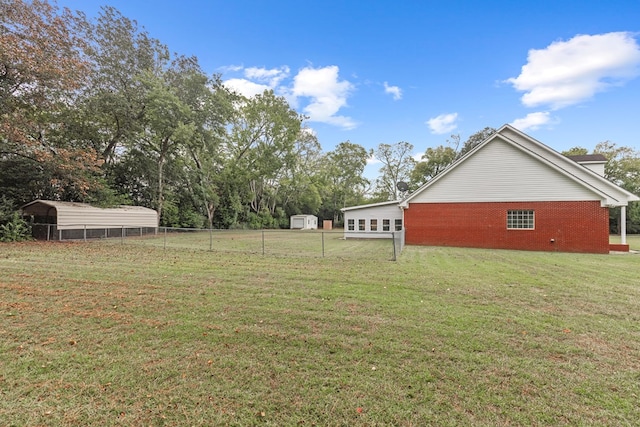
(122, 234)
(84, 233)
(623, 225)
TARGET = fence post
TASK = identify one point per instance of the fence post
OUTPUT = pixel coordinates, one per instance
(84, 233)
(48, 232)
(323, 244)
(393, 240)
(59, 235)
(122, 234)
(262, 242)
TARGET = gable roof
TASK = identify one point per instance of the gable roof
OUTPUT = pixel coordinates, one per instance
(536, 152)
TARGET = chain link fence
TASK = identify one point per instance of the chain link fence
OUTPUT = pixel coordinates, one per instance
(314, 243)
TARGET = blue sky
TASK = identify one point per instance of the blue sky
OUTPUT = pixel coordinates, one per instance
(371, 72)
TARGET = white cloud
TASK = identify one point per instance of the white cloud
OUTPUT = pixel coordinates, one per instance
(256, 80)
(393, 90)
(246, 87)
(443, 123)
(569, 72)
(372, 160)
(418, 156)
(321, 88)
(532, 121)
(272, 77)
(230, 68)
(327, 95)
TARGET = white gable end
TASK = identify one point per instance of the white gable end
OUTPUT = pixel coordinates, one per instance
(499, 172)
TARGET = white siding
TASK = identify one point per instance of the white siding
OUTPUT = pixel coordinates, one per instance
(303, 222)
(611, 194)
(500, 172)
(379, 213)
(71, 215)
(129, 217)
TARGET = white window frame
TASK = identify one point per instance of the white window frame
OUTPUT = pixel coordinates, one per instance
(521, 219)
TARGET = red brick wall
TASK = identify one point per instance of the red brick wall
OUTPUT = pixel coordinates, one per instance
(573, 226)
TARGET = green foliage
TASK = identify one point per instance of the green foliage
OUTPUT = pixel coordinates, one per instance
(397, 164)
(15, 229)
(434, 161)
(475, 140)
(341, 183)
(575, 151)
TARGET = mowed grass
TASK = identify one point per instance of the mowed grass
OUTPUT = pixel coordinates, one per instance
(299, 243)
(108, 335)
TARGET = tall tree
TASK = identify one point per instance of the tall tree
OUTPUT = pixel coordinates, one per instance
(212, 111)
(168, 129)
(114, 100)
(41, 71)
(343, 183)
(301, 181)
(475, 140)
(434, 161)
(261, 148)
(397, 164)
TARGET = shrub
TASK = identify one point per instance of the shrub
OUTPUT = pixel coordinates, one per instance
(15, 229)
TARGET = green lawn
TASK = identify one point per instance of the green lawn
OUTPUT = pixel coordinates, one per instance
(109, 334)
(309, 243)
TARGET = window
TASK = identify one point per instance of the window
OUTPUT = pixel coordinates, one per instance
(361, 225)
(520, 219)
(351, 225)
(385, 225)
(398, 225)
(373, 224)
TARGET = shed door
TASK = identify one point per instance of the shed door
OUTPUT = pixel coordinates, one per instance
(298, 222)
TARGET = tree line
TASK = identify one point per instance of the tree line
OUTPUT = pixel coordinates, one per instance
(99, 111)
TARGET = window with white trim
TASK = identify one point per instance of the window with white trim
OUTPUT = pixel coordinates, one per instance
(361, 223)
(520, 220)
(385, 225)
(351, 225)
(373, 224)
(398, 224)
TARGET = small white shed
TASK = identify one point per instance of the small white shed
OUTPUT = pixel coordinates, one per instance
(72, 215)
(374, 221)
(304, 222)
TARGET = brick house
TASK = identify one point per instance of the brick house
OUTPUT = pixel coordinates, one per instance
(513, 192)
